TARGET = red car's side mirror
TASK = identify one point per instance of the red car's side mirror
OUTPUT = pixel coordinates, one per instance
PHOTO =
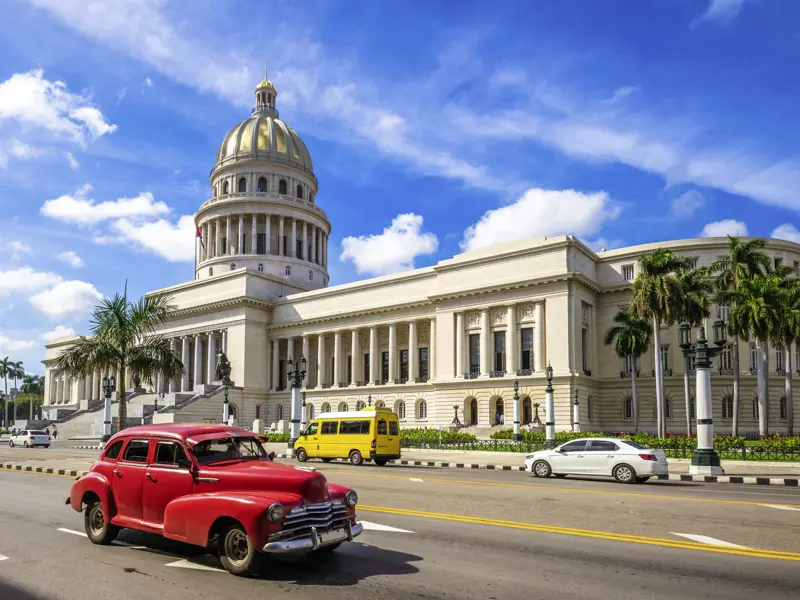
(271, 456)
(185, 463)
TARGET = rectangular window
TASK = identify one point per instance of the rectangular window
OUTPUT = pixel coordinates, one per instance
(627, 365)
(796, 268)
(332, 374)
(423, 364)
(353, 427)
(693, 262)
(285, 244)
(587, 367)
(499, 350)
(243, 247)
(350, 369)
(779, 359)
(282, 383)
(329, 427)
(474, 353)
(526, 338)
(261, 243)
(725, 312)
(627, 272)
(394, 428)
(404, 365)
(224, 245)
(382, 429)
(366, 368)
(665, 357)
(299, 248)
(725, 359)
(753, 357)
(385, 366)
(137, 451)
(778, 262)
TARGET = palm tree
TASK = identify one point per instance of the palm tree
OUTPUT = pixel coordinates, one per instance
(124, 337)
(655, 292)
(756, 313)
(33, 385)
(692, 307)
(5, 367)
(788, 333)
(16, 372)
(743, 260)
(630, 336)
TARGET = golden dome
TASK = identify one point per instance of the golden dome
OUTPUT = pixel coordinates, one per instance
(265, 83)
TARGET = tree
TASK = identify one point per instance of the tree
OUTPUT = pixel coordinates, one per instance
(744, 260)
(692, 306)
(33, 386)
(123, 336)
(788, 331)
(655, 294)
(16, 372)
(5, 371)
(630, 337)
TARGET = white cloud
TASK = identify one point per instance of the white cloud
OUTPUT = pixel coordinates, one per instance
(79, 209)
(35, 102)
(720, 10)
(73, 163)
(9, 346)
(59, 331)
(787, 231)
(541, 213)
(71, 258)
(148, 82)
(175, 242)
(686, 204)
(391, 251)
(18, 249)
(17, 149)
(724, 228)
(66, 299)
(25, 279)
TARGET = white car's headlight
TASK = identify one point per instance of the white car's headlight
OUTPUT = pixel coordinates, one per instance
(530, 456)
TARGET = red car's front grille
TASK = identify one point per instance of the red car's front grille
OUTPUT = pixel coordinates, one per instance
(323, 516)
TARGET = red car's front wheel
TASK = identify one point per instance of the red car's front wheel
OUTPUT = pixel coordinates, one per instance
(237, 553)
(98, 530)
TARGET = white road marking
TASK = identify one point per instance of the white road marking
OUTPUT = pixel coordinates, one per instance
(780, 507)
(2, 557)
(73, 532)
(378, 527)
(415, 479)
(704, 539)
(187, 564)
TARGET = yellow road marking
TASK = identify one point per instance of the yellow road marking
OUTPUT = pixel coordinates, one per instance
(602, 535)
(567, 489)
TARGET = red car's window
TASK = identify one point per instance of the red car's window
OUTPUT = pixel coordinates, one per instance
(137, 451)
(169, 453)
(113, 450)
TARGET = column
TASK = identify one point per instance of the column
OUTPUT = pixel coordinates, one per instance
(185, 360)
(432, 351)
(293, 241)
(511, 340)
(268, 234)
(160, 384)
(307, 355)
(227, 249)
(313, 255)
(173, 347)
(485, 343)
(460, 345)
(92, 389)
(211, 372)
(290, 349)
(374, 375)
(337, 358)
(355, 345)
(325, 250)
(198, 360)
(412, 352)
(225, 341)
(320, 360)
(305, 242)
(217, 238)
(239, 244)
(280, 235)
(276, 376)
(392, 352)
(98, 380)
(538, 337)
(81, 389)
(254, 233)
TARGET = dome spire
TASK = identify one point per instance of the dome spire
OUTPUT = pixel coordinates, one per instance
(266, 95)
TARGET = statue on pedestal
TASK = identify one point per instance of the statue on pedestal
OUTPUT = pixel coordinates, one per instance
(222, 372)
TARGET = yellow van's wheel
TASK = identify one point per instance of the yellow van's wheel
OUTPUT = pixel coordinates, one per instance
(381, 462)
(356, 458)
(301, 454)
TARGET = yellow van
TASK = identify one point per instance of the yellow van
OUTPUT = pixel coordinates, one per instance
(368, 434)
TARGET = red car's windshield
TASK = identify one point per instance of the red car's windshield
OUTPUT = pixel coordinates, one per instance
(232, 448)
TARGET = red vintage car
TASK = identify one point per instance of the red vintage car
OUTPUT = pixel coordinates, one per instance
(212, 486)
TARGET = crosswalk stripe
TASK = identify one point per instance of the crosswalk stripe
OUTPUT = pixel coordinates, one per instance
(704, 539)
(781, 507)
(187, 564)
(3, 557)
(370, 526)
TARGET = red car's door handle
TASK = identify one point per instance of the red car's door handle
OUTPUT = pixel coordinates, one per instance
(151, 477)
(117, 472)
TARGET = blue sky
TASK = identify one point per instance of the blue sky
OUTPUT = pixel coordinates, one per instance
(435, 127)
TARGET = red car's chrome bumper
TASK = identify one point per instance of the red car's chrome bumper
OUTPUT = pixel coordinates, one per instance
(315, 540)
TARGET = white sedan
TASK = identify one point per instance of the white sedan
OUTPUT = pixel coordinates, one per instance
(625, 461)
(29, 439)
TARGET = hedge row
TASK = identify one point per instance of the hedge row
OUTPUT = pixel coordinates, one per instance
(434, 436)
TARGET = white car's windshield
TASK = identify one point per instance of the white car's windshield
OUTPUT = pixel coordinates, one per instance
(232, 448)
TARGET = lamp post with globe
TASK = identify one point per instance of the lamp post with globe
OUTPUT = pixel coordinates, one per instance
(295, 373)
(550, 417)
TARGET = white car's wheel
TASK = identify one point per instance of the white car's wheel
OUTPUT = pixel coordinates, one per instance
(541, 468)
(624, 473)
(10, 443)
(25, 444)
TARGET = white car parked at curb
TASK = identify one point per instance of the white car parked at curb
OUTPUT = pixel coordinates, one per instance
(30, 439)
(625, 461)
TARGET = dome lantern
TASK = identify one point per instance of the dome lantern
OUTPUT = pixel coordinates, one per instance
(266, 95)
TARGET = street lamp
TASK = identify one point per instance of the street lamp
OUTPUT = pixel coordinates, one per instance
(369, 400)
(550, 416)
(295, 373)
(109, 386)
(303, 412)
(705, 460)
(516, 437)
(576, 413)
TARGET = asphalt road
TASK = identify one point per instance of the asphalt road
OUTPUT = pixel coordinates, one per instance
(437, 533)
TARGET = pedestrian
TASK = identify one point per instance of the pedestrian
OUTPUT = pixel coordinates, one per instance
(47, 431)
(55, 432)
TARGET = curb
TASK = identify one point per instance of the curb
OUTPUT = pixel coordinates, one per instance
(46, 471)
(85, 447)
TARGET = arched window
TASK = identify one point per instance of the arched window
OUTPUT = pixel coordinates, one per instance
(310, 412)
(326, 408)
(225, 188)
(260, 268)
(380, 404)
(667, 408)
(401, 410)
(628, 412)
(262, 184)
(214, 191)
(360, 405)
(300, 191)
(342, 406)
(210, 271)
(282, 187)
(526, 411)
(279, 412)
(311, 197)
(233, 266)
(310, 275)
(783, 408)
(727, 407)
(242, 185)
(422, 410)
(288, 270)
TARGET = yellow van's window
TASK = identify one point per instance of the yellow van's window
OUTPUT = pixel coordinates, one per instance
(393, 428)
(329, 427)
(312, 429)
(381, 427)
(354, 427)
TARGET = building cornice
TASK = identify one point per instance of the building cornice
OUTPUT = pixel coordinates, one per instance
(236, 302)
(456, 263)
(330, 318)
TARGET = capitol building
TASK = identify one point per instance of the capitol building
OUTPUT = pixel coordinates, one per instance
(433, 344)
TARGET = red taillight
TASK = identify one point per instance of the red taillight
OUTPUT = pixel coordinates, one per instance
(648, 457)
(373, 444)
(30, 437)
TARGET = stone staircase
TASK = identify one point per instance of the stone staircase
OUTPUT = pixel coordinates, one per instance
(88, 423)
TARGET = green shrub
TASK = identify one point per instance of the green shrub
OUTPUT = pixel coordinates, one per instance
(422, 435)
(277, 438)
